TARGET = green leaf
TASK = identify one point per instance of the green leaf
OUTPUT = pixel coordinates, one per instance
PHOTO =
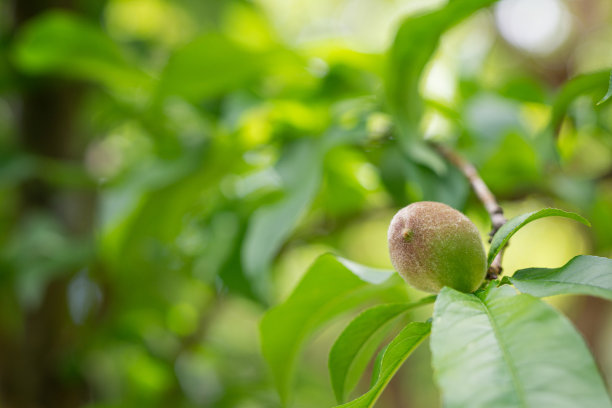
(392, 359)
(208, 66)
(377, 365)
(399, 171)
(415, 43)
(413, 47)
(608, 94)
(510, 228)
(365, 273)
(269, 227)
(584, 275)
(358, 342)
(500, 349)
(572, 89)
(64, 44)
(329, 288)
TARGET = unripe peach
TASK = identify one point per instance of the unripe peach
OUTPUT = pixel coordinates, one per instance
(433, 245)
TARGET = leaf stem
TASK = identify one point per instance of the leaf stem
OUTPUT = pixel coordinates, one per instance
(496, 213)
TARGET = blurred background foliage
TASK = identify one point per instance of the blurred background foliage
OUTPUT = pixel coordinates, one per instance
(170, 168)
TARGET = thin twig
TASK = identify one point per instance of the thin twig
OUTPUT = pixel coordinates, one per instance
(496, 213)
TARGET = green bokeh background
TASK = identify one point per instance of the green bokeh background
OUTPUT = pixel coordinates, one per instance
(170, 168)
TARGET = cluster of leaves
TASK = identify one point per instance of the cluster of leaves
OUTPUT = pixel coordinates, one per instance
(478, 342)
(202, 156)
(210, 154)
(495, 347)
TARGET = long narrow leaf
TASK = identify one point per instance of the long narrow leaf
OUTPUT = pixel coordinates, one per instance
(328, 289)
(413, 47)
(572, 89)
(358, 342)
(415, 43)
(269, 227)
(512, 226)
(585, 275)
(394, 356)
(66, 45)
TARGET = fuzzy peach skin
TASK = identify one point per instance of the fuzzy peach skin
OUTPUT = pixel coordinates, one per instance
(432, 245)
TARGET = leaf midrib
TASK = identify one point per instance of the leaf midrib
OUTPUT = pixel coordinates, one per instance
(377, 389)
(506, 355)
(396, 367)
(580, 285)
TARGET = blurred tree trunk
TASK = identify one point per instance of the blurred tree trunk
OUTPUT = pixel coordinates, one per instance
(590, 317)
(31, 375)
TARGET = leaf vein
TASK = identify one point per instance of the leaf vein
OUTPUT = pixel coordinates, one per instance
(506, 355)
